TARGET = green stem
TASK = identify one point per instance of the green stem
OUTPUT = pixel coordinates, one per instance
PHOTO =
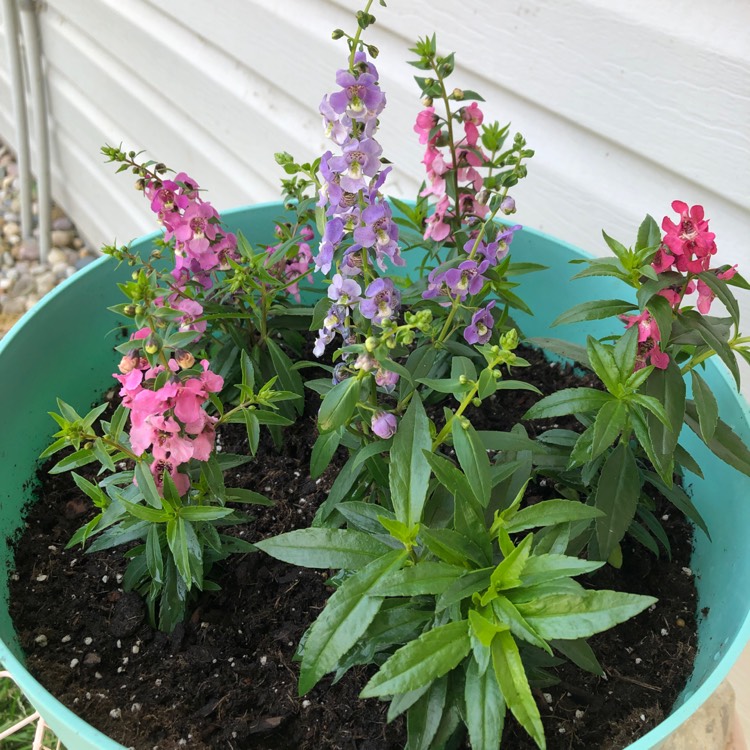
(357, 35)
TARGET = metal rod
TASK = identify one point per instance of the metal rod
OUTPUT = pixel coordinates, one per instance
(18, 95)
(32, 43)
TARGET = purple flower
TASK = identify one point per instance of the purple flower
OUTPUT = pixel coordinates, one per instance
(335, 316)
(384, 424)
(325, 336)
(344, 291)
(361, 158)
(332, 236)
(381, 231)
(336, 126)
(358, 96)
(435, 285)
(351, 263)
(382, 301)
(480, 330)
(467, 278)
(508, 205)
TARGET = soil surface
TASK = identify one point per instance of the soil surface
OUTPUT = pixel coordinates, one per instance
(228, 677)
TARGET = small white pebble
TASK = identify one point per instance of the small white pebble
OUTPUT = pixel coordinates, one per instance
(98, 675)
(41, 577)
(561, 730)
(135, 707)
(652, 608)
(135, 648)
(118, 578)
(665, 517)
(120, 670)
(579, 713)
(88, 696)
(638, 660)
(263, 660)
(15, 577)
(73, 561)
(52, 548)
(88, 640)
(125, 659)
(547, 697)
(687, 571)
(204, 625)
(65, 639)
(318, 481)
(105, 579)
(41, 640)
(643, 717)
(157, 682)
(296, 473)
(182, 742)
(306, 704)
(119, 643)
(115, 713)
(664, 631)
(73, 663)
(268, 489)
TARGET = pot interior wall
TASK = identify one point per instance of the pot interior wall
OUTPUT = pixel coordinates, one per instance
(65, 348)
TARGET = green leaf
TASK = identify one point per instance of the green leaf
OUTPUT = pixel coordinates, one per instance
(568, 616)
(568, 401)
(667, 387)
(421, 661)
(409, 470)
(451, 546)
(424, 716)
(548, 513)
(561, 348)
(425, 577)
(341, 486)
(603, 363)
(580, 653)
(677, 496)
(248, 371)
(617, 497)
(705, 403)
(551, 567)
(252, 425)
(514, 685)
(372, 449)
(323, 449)
(154, 558)
(608, 424)
(449, 476)
(713, 339)
(338, 405)
(202, 512)
(143, 511)
(595, 310)
(472, 456)
(663, 314)
(178, 545)
(723, 293)
(464, 587)
(239, 495)
(485, 708)
(74, 461)
(146, 484)
(725, 443)
(324, 548)
(649, 234)
(620, 251)
(289, 378)
(625, 352)
(346, 617)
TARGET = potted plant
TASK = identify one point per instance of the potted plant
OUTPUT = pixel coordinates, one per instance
(425, 312)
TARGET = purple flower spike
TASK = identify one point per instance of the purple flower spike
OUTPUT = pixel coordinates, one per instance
(358, 96)
(382, 301)
(480, 330)
(384, 425)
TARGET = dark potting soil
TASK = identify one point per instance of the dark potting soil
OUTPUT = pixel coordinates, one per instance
(228, 678)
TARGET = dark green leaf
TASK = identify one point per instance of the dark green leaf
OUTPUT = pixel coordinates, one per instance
(485, 708)
(568, 401)
(424, 716)
(409, 469)
(472, 456)
(595, 310)
(421, 661)
(338, 405)
(705, 403)
(725, 443)
(617, 497)
(323, 449)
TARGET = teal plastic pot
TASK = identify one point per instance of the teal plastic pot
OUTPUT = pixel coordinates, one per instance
(64, 347)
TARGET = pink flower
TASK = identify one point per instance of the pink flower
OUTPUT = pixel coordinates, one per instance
(647, 327)
(188, 322)
(426, 121)
(472, 117)
(159, 466)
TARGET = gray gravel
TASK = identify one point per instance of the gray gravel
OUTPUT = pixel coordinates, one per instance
(24, 280)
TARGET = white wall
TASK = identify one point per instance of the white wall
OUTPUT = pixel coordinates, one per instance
(628, 105)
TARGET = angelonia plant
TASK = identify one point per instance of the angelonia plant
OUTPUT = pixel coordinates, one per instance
(457, 590)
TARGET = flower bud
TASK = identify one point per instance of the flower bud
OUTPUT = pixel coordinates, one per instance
(373, 50)
(457, 94)
(184, 359)
(129, 310)
(337, 34)
(140, 185)
(384, 425)
(509, 340)
(426, 101)
(151, 346)
(371, 343)
(463, 379)
(365, 362)
(160, 168)
(128, 363)
(476, 401)
(508, 205)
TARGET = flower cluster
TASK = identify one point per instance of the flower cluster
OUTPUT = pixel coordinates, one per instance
(687, 248)
(200, 244)
(460, 159)
(354, 207)
(170, 419)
